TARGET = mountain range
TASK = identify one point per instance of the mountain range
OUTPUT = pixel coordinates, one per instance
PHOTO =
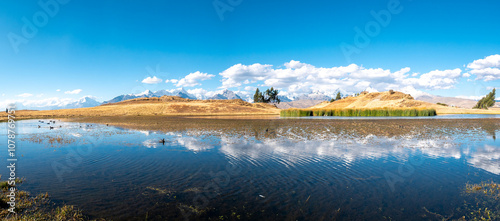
(300, 101)
(55, 105)
(226, 95)
(176, 92)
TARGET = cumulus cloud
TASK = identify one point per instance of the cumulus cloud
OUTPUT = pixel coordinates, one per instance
(487, 69)
(297, 77)
(436, 79)
(152, 80)
(58, 90)
(173, 81)
(25, 95)
(250, 88)
(193, 79)
(199, 93)
(76, 91)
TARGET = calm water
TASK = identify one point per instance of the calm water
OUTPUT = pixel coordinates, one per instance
(125, 174)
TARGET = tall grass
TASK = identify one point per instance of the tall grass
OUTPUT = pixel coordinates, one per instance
(358, 112)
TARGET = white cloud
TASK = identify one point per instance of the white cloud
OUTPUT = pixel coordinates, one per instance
(466, 75)
(487, 69)
(173, 81)
(436, 79)
(487, 62)
(25, 95)
(193, 79)
(413, 92)
(39, 95)
(250, 88)
(297, 78)
(41, 104)
(37, 104)
(152, 80)
(199, 93)
(58, 90)
(476, 98)
(76, 91)
(233, 76)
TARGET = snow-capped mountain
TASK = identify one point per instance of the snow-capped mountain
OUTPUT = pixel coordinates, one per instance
(225, 95)
(284, 99)
(83, 102)
(56, 103)
(317, 96)
(180, 92)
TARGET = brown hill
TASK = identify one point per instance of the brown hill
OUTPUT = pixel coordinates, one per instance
(394, 99)
(164, 106)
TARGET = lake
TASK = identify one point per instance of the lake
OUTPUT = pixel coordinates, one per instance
(262, 169)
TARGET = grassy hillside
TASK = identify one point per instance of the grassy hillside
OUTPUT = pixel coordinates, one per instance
(393, 101)
(164, 106)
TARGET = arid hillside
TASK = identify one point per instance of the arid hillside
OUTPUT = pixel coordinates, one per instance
(394, 100)
(164, 106)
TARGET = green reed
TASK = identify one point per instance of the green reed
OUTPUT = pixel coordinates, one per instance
(358, 112)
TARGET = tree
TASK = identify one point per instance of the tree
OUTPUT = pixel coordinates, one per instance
(272, 96)
(269, 96)
(339, 96)
(486, 101)
(258, 97)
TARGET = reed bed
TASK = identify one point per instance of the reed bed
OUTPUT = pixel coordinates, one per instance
(358, 112)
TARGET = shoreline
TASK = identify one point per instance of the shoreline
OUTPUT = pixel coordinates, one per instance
(3, 117)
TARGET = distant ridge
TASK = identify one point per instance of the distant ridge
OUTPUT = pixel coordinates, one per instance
(225, 95)
(450, 101)
(146, 94)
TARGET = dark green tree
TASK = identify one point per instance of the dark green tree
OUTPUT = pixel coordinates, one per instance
(258, 97)
(269, 96)
(339, 96)
(272, 96)
(486, 101)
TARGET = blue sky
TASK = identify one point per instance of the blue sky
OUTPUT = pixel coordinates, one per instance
(105, 48)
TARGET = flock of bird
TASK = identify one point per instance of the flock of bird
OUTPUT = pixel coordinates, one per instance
(53, 122)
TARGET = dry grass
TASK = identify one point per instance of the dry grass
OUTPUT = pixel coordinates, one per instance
(395, 100)
(164, 106)
(176, 106)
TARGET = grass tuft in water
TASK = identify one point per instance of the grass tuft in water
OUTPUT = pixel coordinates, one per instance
(358, 112)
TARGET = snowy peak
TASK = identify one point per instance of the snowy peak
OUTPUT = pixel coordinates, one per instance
(83, 102)
(145, 93)
(175, 92)
(317, 96)
(225, 95)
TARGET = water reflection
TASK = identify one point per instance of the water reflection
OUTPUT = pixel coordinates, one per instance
(293, 150)
(306, 166)
(486, 158)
